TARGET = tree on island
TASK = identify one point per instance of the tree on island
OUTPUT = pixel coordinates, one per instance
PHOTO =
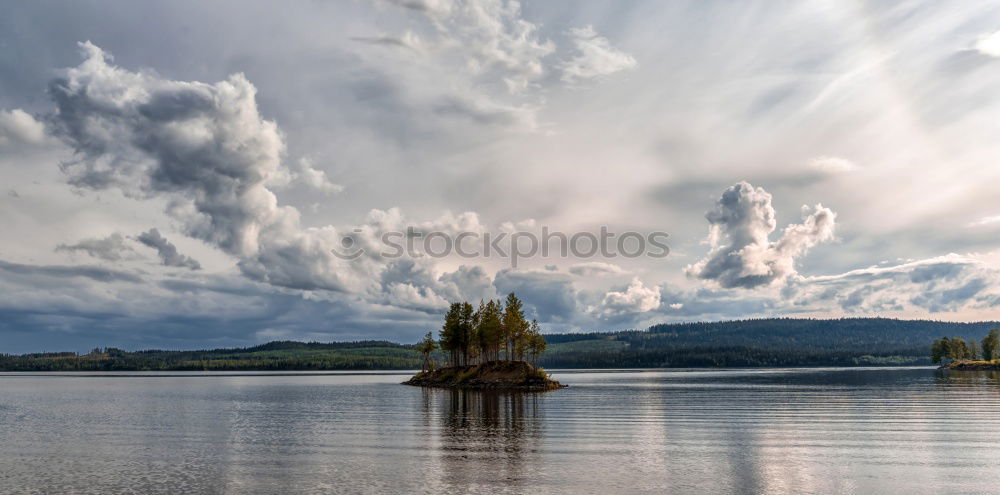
(536, 342)
(427, 347)
(940, 349)
(958, 348)
(514, 326)
(456, 333)
(478, 336)
(954, 348)
(991, 344)
(489, 330)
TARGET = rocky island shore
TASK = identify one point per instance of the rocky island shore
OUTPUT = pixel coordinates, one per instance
(972, 365)
(494, 375)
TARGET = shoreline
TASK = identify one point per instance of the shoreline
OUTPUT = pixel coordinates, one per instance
(515, 376)
(402, 371)
(970, 365)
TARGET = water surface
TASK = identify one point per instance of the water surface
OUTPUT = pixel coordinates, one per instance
(899, 430)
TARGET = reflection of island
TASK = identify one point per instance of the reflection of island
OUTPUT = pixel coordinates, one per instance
(486, 437)
(968, 376)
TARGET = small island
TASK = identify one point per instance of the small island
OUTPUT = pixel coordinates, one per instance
(490, 348)
(972, 365)
(958, 355)
(494, 375)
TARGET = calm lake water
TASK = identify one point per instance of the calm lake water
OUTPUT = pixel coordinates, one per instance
(899, 430)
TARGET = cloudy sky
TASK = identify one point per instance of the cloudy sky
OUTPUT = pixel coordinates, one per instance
(178, 174)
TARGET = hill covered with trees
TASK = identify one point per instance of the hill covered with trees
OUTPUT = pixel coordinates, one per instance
(273, 356)
(740, 343)
(761, 342)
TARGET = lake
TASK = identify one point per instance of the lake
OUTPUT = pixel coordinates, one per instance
(872, 430)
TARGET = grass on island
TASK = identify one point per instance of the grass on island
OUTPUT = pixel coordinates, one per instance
(490, 375)
(973, 364)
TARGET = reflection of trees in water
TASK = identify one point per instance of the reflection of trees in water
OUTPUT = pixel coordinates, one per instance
(967, 377)
(487, 436)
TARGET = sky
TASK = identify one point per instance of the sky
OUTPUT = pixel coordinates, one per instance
(191, 174)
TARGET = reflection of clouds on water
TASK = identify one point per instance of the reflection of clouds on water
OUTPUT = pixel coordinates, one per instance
(775, 431)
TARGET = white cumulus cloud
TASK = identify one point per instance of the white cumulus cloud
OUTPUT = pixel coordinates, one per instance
(636, 298)
(741, 253)
(18, 126)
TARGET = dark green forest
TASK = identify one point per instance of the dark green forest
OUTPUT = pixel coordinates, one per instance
(740, 343)
(760, 343)
(275, 356)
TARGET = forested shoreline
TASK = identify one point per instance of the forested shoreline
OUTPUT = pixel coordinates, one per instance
(737, 343)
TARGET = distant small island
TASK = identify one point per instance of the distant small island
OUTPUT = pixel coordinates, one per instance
(972, 365)
(487, 349)
(956, 354)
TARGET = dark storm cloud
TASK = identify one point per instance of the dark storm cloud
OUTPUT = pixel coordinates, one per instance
(410, 283)
(76, 308)
(944, 284)
(204, 147)
(166, 250)
(712, 304)
(549, 296)
(97, 273)
(149, 135)
(471, 283)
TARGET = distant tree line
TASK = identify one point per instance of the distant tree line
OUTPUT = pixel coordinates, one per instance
(743, 343)
(727, 357)
(279, 355)
(956, 348)
(494, 331)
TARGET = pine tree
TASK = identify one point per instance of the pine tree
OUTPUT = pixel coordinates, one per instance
(536, 342)
(450, 333)
(426, 347)
(466, 328)
(488, 331)
(940, 350)
(991, 344)
(514, 325)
